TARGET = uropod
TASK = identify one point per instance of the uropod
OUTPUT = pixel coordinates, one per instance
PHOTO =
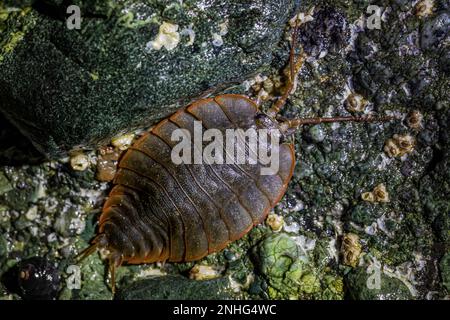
(159, 210)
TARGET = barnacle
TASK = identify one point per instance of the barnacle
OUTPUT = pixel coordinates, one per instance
(379, 194)
(405, 142)
(391, 148)
(122, 142)
(168, 37)
(350, 249)
(200, 272)
(399, 145)
(414, 119)
(263, 87)
(189, 32)
(217, 37)
(79, 162)
(424, 8)
(355, 103)
(275, 222)
(217, 40)
(368, 196)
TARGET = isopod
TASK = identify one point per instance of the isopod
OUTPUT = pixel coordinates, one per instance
(161, 211)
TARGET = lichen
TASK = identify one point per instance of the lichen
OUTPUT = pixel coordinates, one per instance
(10, 40)
(292, 272)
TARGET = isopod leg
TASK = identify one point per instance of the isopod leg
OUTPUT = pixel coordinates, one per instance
(295, 123)
(112, 271)
(99, 241)
(86, 252)
(115, 262)
(295, 67)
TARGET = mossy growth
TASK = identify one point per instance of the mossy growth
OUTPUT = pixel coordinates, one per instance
(292, 272)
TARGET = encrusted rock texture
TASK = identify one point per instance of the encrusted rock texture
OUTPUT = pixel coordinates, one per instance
(367, 213)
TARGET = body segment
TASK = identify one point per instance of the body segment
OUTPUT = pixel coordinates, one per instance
(160, 211)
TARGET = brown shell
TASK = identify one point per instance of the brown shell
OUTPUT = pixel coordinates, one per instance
(159, 211)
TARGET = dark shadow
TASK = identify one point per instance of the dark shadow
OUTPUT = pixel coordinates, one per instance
(15, 148)
(9, 280)
(49, 9)
(59, 11)
(34, 278)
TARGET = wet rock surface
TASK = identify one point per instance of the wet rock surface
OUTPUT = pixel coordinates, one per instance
(334, 243)
(362, 287)
(74, 88)
(176, 288)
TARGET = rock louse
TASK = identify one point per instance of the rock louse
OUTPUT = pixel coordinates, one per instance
(159, 211)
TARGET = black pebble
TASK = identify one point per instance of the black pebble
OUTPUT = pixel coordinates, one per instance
(33, 279)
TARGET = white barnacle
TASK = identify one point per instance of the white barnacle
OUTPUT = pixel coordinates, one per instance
(223, 28)
(217, 40)
(391, 148)
(32, 213)
(168, 37)
(122, 142)
(79, 162)
(275, 222)
(201, 272)
(190, 33)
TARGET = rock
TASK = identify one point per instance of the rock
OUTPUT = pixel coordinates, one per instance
(317, 133)
(176, 288)
(327, 32)
(33, 279)
(390, 288)
(15, 148)
(364, 214)
(5, 185)
(3, 248)
(77, 88)
(435, 31)
(434, 189)
(445, 270)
